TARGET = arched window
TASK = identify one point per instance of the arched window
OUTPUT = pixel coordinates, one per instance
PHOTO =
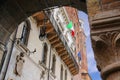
(25, 32)
(53, 63)
(44, 56)
(61, 73)
(65, 74)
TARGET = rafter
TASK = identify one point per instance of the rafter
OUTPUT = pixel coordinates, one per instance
(65, 57)
(49, 30)
(59, 49)
(65, 53)
(61, 52)
(71, 65)
(74, 72)
(57, 45)
(57, 40)
(51, 37)
(72, 69)
(68, 61)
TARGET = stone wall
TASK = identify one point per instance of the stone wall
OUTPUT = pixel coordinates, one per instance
(28, 66)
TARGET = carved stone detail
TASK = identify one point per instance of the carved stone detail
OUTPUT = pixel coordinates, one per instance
(107, 51)
(19, 64)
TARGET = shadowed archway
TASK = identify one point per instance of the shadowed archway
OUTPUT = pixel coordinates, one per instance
(13, 12)
(105, 26)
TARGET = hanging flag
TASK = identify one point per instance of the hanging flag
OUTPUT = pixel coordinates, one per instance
(72, 33)
(70, 25)
(79, 56)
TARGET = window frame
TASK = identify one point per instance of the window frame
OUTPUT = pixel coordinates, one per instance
(25, 32)
(45, 53)
(53, 63)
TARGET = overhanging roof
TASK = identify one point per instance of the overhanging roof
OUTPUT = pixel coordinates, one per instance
(58, 42)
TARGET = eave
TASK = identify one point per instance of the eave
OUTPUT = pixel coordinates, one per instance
(57, 41)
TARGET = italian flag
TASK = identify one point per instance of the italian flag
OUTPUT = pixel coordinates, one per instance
(70, 26)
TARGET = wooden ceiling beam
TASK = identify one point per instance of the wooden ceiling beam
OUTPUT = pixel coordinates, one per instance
(57, 45)
(59, 50)
(41, 23)
(72, 69)
(74, 72)
(71, 65)
(57, 40)
(62, 50)
(51, 37)
(65, 53)
(38, 13)
(65, 57)
(62, 54)
(49, 30)
(68, 61)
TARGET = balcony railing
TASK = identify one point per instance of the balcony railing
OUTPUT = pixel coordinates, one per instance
(61, 36)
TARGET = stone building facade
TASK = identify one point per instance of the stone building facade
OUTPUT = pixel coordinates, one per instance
(80, 39)
(36, 59)
(46, 49)
(104, 27)
(40, 49)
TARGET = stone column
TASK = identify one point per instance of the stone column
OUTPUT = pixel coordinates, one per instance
(105, 35)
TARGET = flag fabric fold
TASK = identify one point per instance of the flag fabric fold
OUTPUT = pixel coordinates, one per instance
(70, 26)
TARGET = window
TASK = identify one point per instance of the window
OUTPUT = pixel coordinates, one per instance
(65, 74)
(61, 26)
(25, 32)
(53, 64)
(44, 56)
(3, 52)
(66, 37)
(61, 73)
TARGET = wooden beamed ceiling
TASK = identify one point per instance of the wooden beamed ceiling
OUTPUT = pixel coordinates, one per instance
(73, 72)
(63, 54)
(72, 69)
(56, 42)
(57, 45)
(52, 36)
(68, 61)
(70, 65)
(61, 49)
(65, 57)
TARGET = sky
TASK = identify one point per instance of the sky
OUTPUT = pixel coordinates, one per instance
(94, 73)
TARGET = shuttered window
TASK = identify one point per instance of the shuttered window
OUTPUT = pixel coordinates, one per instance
(44, 54)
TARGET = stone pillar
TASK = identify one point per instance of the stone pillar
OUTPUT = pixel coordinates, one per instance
(105, 35)
(110, 4)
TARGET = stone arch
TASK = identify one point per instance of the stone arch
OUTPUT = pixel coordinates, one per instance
(117, 40)
(13, 12)
(117, 46)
